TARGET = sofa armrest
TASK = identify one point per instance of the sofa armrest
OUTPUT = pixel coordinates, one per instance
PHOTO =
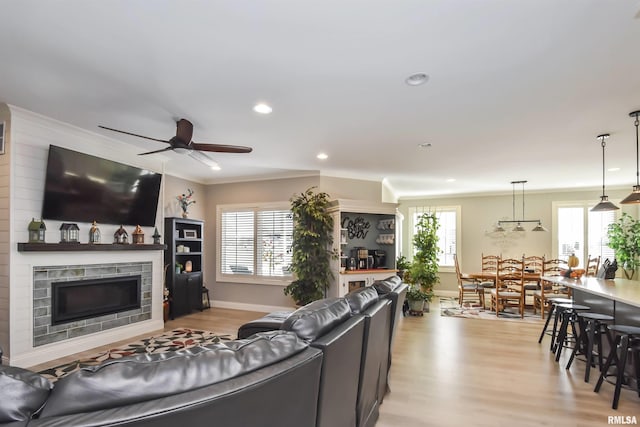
(270, 322)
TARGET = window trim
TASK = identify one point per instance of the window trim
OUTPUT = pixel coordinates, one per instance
(246, 279)
(586, 205)
(411, 227)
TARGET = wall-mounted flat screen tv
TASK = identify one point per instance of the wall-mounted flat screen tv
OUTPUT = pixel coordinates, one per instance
(84, 188)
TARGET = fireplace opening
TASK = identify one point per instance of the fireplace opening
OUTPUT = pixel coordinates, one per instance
(84, 299)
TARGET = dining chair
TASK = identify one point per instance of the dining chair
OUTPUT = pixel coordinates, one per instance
(550, 267)
(532, 264)
(509, 290)
(591, 266)
(489, 266)
(467, 285)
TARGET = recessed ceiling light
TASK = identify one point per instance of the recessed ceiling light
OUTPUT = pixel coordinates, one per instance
(424, 145)
(262, 108)
(322, 156)
(451, 180)
(417, 79)
(215, 167)
(613, 169)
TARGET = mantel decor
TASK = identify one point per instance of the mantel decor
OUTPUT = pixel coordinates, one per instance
(36, 231)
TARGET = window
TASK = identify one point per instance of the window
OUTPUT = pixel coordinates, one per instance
(449, 220)
(254, 244)
(582, 232)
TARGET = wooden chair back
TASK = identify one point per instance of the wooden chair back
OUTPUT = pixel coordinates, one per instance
(489, 263)
(591, 266)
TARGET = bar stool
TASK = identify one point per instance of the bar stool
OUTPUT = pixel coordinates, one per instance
(569, 315)
(628, 339)
(592, 326)
(553, 312)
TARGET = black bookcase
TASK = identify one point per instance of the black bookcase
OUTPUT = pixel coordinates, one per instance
(184, 240)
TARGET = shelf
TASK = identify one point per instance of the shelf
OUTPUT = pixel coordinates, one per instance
(86, 247)
(188, 253)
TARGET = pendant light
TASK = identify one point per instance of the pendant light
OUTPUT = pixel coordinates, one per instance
(634, 197)
(518, 227)
(605, 204)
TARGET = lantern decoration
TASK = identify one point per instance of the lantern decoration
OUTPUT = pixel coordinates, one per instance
(156, 237)
(188, 266)
(94, 233)
(36, 231)
(69, 233)
(121, 236)
(137, 236)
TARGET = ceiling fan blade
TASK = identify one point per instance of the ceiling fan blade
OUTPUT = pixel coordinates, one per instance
(218, 148)
(156, 151)
(184, 130)
(133, 134)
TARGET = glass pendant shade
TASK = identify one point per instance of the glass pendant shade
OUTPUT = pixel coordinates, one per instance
(634, 197)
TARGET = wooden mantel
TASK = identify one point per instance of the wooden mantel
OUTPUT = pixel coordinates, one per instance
(87, 247)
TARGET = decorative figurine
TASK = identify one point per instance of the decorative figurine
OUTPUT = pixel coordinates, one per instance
(156, 237)
(121, 236)
(94, 233)
(36, 231)
(69, 233)
(137, 236)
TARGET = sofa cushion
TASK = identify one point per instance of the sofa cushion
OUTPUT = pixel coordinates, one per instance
(387, 285)
(317, 318)
(23, 393)
(360, 299)
(269, 322)
(150, 376)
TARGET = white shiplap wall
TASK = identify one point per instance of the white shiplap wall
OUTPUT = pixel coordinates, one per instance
(31, 136)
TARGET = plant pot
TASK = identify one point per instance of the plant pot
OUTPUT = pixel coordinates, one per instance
(416, 305)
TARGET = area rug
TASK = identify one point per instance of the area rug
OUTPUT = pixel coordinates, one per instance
(450, 307)
(169, 341)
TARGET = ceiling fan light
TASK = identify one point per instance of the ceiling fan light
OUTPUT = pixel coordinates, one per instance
(633, 198)
(604, 205)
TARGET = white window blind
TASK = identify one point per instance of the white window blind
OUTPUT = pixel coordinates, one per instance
(256, 242)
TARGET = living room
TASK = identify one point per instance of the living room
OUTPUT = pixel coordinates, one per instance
(526, 103)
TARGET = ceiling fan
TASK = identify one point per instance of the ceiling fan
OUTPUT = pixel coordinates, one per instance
(182, 142)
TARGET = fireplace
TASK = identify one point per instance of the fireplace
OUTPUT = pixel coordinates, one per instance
(84, 299)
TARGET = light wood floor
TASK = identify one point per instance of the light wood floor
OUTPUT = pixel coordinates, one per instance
(452, 372)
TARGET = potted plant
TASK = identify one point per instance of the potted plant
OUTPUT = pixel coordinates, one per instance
(311, 247)
(423, 272)
(402, 265)
(624, 239)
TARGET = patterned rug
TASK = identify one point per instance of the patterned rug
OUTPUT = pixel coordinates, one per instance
(169, 341)
(451, 307)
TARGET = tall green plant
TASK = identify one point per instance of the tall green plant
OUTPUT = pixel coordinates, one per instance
(311, 247)
(424, 267)
(624, 239)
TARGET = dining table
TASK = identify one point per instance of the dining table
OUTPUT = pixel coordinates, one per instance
(491, 275)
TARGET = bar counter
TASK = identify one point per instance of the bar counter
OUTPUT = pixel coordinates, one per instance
(619, 298)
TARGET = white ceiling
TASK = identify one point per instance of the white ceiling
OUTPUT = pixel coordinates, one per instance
(517, 89)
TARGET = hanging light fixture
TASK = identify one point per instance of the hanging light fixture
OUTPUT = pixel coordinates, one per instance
(518, 222)
(634, 197)
(605, 204)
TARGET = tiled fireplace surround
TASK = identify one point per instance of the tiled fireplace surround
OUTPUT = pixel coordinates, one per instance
(43, 276)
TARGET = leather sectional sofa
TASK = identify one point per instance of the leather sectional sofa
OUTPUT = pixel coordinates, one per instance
(323, 365)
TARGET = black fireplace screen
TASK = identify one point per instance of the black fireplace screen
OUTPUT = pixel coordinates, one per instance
(84, 299)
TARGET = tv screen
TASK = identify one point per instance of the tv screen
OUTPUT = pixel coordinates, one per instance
(84, 188)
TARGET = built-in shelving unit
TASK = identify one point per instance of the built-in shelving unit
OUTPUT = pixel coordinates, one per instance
(184, 241)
